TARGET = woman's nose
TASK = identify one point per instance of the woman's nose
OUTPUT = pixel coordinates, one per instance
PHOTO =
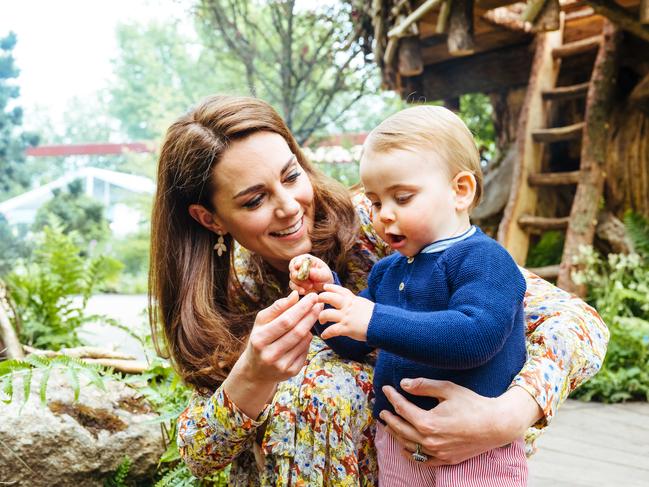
(287, 205)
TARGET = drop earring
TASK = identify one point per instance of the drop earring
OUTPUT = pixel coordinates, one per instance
(219, 246)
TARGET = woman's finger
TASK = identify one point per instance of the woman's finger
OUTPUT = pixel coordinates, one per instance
(404, 408)
(276, 351)
(403, 431)
(287, 320)
(277, 308)
(332, 299)
(440, 389)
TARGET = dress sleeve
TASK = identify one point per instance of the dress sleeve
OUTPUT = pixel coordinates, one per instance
(212, 431)
(566, 343)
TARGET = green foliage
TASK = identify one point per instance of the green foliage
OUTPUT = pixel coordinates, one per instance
(180, 476)
(345, 173)
(77, 213)
(547, 251)
(14, 176)
(52, 289)
(160, 72)
(619, 289)
(13, 245)
(476, 111)
(133, 252)
(119, 477)
(10, 370)
(637, 228)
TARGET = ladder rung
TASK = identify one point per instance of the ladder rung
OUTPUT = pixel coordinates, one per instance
(577, 47)
(557, 134)
(554, 178)
(547, 272)
(537, 224)
(566, 92)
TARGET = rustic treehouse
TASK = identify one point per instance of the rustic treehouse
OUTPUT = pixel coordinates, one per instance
(569, 85)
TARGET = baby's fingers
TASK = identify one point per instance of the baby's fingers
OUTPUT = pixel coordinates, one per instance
(332, 299)
(334, 330)
(329, 315)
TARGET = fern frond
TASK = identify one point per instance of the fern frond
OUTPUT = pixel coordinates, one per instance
(119, 477)
(637, 228)
(178, 477)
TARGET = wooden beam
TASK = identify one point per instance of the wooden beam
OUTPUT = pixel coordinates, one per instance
(644, 12)
(620, 16)
(539, 224)
(422, 10)
(553, 178)
(640, 92)
(583, 216)
(460, 28)
(500, 69)
(410, 60)
(522, 197)
(566, 92)
(548, 18)
(442, 18)
(577, 47)
(558, 134)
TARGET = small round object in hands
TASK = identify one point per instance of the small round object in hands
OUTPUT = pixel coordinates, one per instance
(305, 268)
(417, 455)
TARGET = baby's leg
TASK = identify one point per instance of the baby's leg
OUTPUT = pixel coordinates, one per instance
(395, 470)
(501, 467)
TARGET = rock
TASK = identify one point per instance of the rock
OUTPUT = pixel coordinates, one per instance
(67, 443)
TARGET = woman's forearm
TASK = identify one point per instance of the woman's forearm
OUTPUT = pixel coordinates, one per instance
(246, 391)
(517, 411)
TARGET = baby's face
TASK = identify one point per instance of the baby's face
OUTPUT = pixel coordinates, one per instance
(413, 200)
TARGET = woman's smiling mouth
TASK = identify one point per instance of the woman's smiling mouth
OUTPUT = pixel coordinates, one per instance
(290, 230)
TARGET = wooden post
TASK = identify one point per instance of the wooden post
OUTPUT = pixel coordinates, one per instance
(548, 18)
(644, 12)
(9, 344)
(460, 28)
(410, 61)
(583, 216)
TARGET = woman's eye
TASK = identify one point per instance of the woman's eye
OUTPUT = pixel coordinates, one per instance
(293, 177)
(253, 203)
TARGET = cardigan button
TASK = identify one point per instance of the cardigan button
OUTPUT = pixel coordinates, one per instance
(401, 286)
(411, 260)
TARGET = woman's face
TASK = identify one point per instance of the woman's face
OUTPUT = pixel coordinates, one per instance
(264, 198)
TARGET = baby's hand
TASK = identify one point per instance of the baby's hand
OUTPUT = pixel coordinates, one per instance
(308, 274)
(350, 314)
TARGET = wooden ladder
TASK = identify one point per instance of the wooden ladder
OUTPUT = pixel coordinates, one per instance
(520, 219)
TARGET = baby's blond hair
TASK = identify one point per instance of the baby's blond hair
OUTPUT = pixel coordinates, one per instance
(430, 128)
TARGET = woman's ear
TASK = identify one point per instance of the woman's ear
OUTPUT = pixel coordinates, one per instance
(206, 218)
(464, 185)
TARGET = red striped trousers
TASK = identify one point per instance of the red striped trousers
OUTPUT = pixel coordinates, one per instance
(500, 467)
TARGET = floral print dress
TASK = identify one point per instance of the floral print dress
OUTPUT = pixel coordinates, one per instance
(318, 429)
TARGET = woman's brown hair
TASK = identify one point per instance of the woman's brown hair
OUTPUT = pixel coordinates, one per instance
(189, 285)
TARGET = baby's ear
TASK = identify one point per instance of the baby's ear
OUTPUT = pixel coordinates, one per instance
(464, 185)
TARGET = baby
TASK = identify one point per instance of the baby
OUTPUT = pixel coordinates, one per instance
(447, 305)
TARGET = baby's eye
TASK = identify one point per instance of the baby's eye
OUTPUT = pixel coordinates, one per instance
(403, 198)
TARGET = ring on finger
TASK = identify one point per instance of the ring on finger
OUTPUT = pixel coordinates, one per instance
(418, 455)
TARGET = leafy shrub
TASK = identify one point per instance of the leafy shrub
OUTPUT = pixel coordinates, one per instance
(52, 289)
(619, 289)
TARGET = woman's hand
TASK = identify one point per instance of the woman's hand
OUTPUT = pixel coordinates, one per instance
(462, 425)
(308, 274)
(276, 350)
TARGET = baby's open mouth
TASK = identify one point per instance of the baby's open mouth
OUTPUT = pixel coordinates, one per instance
(394, 238)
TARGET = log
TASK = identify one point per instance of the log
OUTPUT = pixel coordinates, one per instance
(442, 17)
(460, 28)
(80, 352)
(422, 10)
(125, 366)
(577, 47)
(410, 61)
(620, 16)
(558, 134)
(583, 215)
(9, 343)
(644, 12)
(640, 92)
(554, 178)
(549, 17)
(612, 231)
(566, 92)
(539, 224)
(549, 272)
(532, 10)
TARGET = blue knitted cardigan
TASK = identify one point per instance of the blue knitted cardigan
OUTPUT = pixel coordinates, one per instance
(452, 312)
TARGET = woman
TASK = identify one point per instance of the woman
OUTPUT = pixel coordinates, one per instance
(236, 200)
